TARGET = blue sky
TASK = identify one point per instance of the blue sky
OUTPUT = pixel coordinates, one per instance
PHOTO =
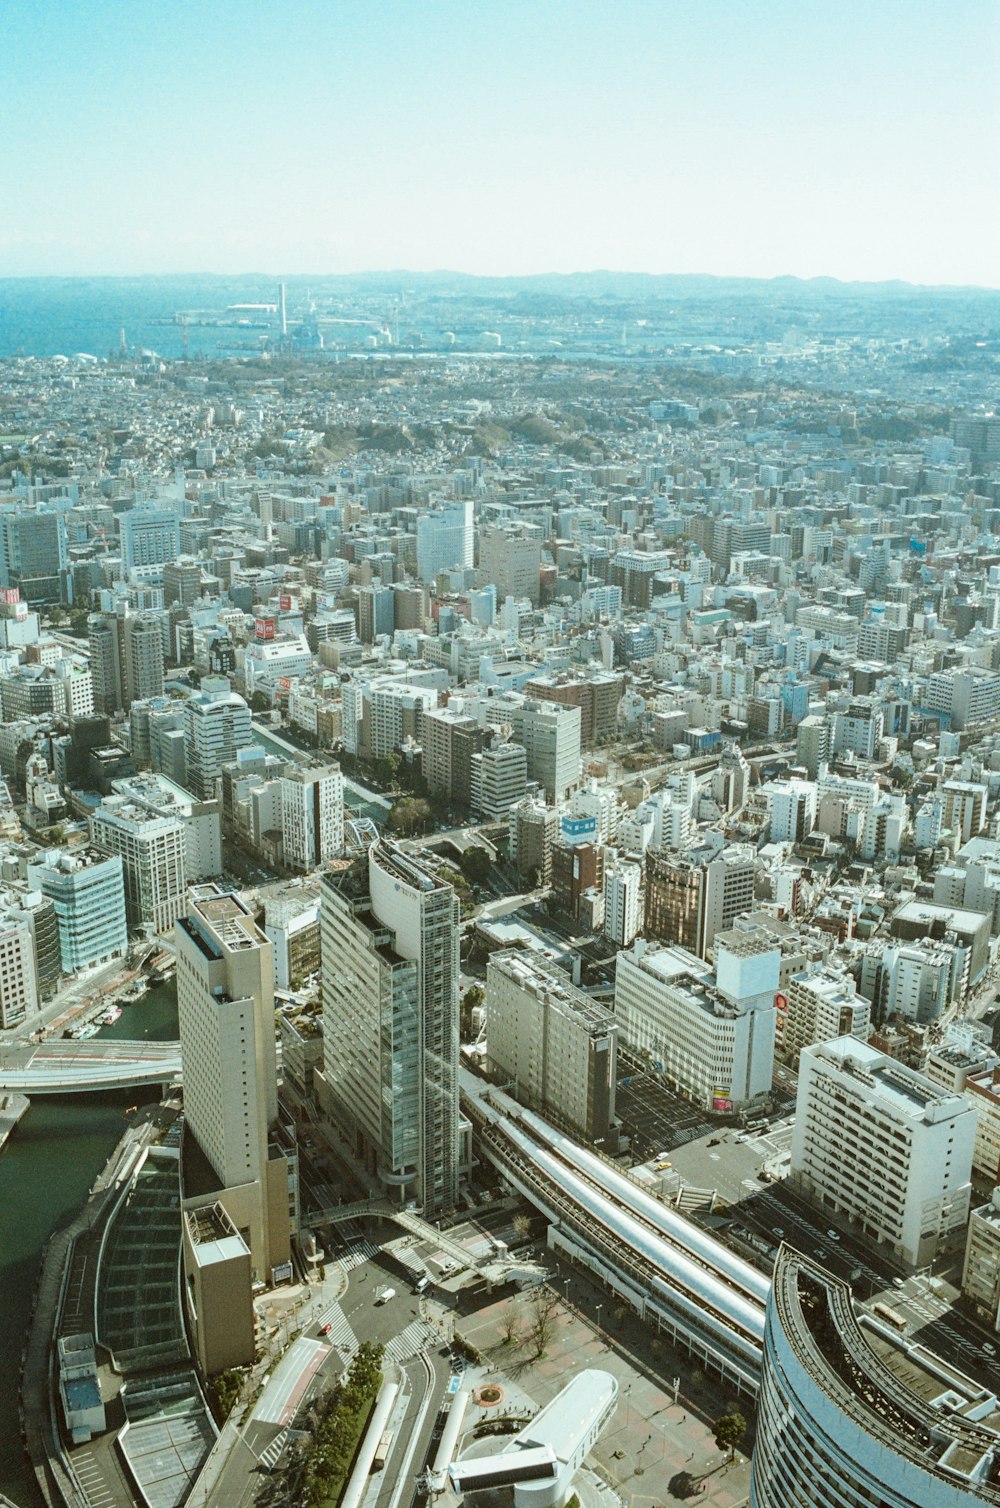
(748, 137)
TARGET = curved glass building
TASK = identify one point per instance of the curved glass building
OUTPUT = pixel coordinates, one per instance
(853, 1416)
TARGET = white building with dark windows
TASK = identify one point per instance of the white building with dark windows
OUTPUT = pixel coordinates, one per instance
(312, 815)
(884, 1147)
(152, 851)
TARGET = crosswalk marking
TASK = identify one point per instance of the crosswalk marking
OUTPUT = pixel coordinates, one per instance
(340, 1335)
(358, 1256)
(270, 1456)
(408, 1342)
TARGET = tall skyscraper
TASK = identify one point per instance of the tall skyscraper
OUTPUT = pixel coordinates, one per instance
(390, 1021)
(217, 724)
(225, 1008)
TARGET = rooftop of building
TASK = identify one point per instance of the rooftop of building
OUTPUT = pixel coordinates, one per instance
(911, 1402)
(903, 1089)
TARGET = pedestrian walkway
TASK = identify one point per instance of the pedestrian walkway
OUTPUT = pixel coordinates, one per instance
(270, 1456)
(359, 1255)
(340, 1333)
(409, 1341)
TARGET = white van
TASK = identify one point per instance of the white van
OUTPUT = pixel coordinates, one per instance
(386, 1295)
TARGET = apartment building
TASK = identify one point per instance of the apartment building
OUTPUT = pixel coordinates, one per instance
(884, 1147)
(555, 1046)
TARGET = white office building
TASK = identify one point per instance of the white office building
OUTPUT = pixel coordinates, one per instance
(499, 780)
(711, 1034)
(884, 1147)
(445, 540)
(312, 816)
(18, 977)
(791, 807)
(623, 901)
(225, 1009)
(217, 724)
(556, 1046)
(152, 851)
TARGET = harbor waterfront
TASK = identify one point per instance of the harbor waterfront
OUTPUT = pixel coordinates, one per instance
(46, 1171)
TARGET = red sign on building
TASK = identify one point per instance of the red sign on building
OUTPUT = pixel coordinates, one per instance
(265, 628)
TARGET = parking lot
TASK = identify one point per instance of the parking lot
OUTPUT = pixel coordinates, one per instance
(653, 1116)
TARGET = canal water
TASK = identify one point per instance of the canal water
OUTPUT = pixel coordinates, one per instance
(46, 1171)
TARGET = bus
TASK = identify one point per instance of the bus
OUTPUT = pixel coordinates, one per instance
(382, 1450)
(891, 1316)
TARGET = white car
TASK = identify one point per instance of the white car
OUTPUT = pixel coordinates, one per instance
(833, 1235)
(386, 1295)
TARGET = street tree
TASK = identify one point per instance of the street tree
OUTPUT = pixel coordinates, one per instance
(729, 1431)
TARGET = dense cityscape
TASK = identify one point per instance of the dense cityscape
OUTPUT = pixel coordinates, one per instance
(544, 748)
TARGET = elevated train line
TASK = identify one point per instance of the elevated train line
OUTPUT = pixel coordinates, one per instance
(682, 1282)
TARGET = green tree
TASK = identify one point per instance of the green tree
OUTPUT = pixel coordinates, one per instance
(476, 865)
(411, 814)
(259, 702)
(729, 1430)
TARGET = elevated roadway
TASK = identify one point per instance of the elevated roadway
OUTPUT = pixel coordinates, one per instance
(87, 1067)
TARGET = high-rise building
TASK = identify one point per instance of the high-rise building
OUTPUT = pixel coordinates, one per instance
(445, 538)
(815, 1007)
(692, 894)
(883, 1146)
(791, 806)
(88, 894)
(126, 658)
(217, 724)
(225, 1011)
(845, 1418)
(149, 536)
(376, 612)
(555, 1046)
(813, 744)
(498, 780)
(711, 1034)
(181, 582)
(623, 896)
(143, 656)
(33, 553)
(152, 851)
(510, 558)
(312, 815)
(390, 1021)
(18, 982)
(548, 731)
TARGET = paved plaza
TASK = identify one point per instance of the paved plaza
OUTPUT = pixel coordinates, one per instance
(650, 1437)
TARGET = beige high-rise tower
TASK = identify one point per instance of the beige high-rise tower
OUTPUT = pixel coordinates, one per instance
(225, 1006)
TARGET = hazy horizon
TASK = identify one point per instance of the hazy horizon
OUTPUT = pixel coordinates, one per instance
(741, 140)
